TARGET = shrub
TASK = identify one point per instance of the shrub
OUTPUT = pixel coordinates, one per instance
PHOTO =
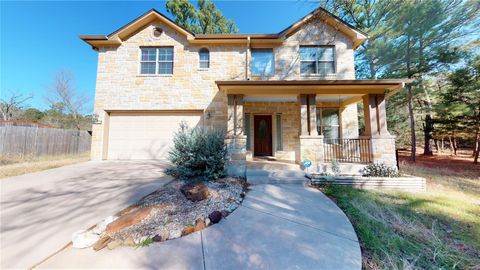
(198, 153)
(379, 170)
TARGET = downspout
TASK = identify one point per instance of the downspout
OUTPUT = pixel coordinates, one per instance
(247, 55)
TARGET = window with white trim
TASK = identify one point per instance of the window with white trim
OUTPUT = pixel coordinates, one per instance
(204, 56)
(156, 60)
(317, 59)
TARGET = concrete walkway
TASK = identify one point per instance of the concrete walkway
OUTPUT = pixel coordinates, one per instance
(40, 211)
(277, 227)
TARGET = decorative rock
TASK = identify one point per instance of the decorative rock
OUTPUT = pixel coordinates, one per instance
(157, 238)
(188, 230)
(102, 243)
(128, 220)
(215, 217)
(113, 244)
(129, 241)
(174, 234)
(84, 239)
(195, 191)
(224, 213)
(199, 224)
(100, 227)
(207, 222)
(165, 235)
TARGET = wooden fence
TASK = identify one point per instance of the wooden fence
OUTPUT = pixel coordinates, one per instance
(23, 141)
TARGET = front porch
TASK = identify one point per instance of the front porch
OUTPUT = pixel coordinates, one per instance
(296, 121)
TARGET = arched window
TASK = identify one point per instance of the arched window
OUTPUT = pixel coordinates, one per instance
(204, 56)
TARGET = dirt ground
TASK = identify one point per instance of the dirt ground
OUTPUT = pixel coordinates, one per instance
(462, 163)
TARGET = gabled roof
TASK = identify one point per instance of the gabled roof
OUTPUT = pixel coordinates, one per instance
(329, 18)
(255, 40)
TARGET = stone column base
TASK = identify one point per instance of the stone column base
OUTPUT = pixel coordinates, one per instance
(311, 148)
(383, 150)
(236, 155)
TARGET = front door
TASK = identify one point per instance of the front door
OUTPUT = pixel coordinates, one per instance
(262, 135)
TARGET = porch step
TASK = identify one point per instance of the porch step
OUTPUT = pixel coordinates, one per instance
(259, 176)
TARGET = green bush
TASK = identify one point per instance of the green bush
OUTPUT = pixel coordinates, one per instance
(380, 170)
(198, 153)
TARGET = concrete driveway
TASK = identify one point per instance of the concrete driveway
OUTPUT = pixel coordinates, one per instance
(40, 211)
(284, 226)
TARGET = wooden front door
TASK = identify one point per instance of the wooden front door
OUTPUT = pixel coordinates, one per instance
(262, 135)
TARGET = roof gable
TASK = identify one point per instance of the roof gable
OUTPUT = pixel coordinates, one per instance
(117, 37)
(330, 19)
(140, 22)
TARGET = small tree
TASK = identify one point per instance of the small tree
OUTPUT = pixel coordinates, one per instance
(65, 99)
(198, 153)
(12, 105)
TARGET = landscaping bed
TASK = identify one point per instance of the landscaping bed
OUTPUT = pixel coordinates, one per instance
(406, 182)
(177, 209)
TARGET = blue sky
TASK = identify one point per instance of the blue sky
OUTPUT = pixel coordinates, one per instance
(37, 39)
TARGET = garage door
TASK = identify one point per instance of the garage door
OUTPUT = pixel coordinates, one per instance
(140, 135)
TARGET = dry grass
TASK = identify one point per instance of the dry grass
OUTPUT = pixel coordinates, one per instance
(14, 166)
(437, 229)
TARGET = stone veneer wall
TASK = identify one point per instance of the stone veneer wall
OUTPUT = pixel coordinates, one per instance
(383, 150)
(121, 87)
(290, 116)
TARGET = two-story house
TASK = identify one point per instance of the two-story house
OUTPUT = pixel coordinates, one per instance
(288, 96)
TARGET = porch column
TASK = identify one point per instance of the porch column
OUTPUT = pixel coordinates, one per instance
(382, 144)
(311, 144)
(230, 115)
(375, 115)
(369, 115)
(235, 140)
(238, 115)
(312, 115)
(382, 115)
(303, 100)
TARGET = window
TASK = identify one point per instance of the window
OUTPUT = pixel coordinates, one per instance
(317, 59)
(278, 119)
(156, 60)
(261, 62)
(328, 123)
(204, 56)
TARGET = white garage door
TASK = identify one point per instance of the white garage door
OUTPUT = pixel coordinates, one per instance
(145, 135)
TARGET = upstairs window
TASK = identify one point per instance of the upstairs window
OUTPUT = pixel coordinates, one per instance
(156, 60)
(317, 59)
(204, 56)
(261, 62)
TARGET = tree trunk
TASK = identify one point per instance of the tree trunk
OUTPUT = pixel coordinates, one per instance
(450, 143)
(475, 145)
(413, 139)
(454, 144)
(477, 151)
(428, 133)
(443, 144)
(435, 142)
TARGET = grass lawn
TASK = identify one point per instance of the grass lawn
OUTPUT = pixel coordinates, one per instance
(437, 229)
(13, 167)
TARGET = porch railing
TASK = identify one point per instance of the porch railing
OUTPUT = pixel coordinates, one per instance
(347, 150)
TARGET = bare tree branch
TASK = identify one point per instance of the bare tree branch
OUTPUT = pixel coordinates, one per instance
(14, 102)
